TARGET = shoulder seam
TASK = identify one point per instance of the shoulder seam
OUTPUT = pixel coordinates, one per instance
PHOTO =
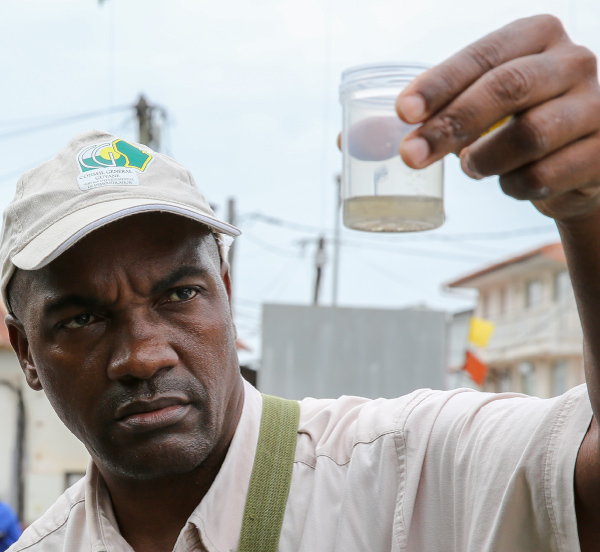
(354, 445)
(42, 537)
(548, 468)
(400, 535)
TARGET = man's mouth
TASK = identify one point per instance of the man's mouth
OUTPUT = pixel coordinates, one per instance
(145, 415)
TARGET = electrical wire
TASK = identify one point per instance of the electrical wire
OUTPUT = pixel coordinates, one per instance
(458, 236)
(275, 284)
(275, 221)
(373, 246)
(393, 276)
(59, 122)
(254, 315)
(270, 247)
(19, 172)
(396, 250)
(325, 117)
(541, 325)
(249, 302)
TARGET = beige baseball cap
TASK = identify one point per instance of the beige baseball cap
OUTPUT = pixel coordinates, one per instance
(96, 179)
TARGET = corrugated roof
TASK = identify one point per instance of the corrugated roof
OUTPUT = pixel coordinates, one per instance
(553, 251)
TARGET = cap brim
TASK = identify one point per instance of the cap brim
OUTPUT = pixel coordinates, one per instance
(56, 239)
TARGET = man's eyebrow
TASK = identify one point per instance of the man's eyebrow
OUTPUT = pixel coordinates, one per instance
(91, 302)
(71, 300)
(176, 276)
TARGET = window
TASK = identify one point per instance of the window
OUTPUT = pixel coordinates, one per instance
(506, 298)
(533, 294)
(504, 381)
(559, 377)
(483, 304)
(527, 373)
(562, 287)
(72, 477)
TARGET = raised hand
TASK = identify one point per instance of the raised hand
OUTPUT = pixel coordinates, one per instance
(549, 150)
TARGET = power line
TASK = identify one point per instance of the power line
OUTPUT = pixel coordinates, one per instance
(275, 221)
(401, 250)
(278, 283)
(270, 247)
(415, 252)
(392, 275)
(239, 310)
(249, 302)
(19, 172)
(543, 323)
(59, 122)
(27, 121)
(458, 236)
(396, 249)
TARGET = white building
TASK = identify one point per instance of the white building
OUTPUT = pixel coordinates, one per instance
(537, 344)
(51, 459)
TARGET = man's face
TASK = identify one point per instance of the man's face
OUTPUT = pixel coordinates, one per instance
(129, 333)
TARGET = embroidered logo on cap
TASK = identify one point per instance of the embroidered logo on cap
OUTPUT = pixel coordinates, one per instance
(111, 164)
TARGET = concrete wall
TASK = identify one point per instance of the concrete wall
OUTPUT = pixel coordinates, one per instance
(10, 373)
(328, 352)
(51, 451)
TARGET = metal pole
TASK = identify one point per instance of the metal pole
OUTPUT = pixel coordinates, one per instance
(320, 260)
(231, 219)
(143, 114)
(336, 241)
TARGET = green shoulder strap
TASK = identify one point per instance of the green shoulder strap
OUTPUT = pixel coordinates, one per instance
(271, 476)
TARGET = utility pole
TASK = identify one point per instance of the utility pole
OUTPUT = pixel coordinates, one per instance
(150, 118)
(231, 219)
(144, 117)
(336, 241)
(320, 260)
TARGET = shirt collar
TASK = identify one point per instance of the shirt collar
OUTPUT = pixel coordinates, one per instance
(218, 517)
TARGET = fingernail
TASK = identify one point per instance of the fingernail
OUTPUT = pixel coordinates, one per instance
(466, 166)
(415, 150)
(412, 108)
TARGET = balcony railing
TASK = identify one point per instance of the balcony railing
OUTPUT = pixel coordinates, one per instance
(544, 331)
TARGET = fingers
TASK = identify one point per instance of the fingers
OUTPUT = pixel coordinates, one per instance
(533, 135)
(573, 170)
(511, 88)
(548, 151)
(436, 88)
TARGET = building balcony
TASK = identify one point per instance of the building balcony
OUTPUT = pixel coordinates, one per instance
(543, 332)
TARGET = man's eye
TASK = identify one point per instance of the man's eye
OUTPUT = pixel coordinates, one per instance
(182, 294)
(79, 321)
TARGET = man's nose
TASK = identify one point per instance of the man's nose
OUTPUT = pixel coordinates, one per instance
(140, 349)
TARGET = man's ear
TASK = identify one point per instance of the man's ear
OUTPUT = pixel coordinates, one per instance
(20, 344)
(227, 281)
(226, 278)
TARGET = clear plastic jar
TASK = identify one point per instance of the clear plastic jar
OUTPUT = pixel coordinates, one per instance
(380, 193)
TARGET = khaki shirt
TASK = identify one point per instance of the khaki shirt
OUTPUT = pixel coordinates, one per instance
(433, 471)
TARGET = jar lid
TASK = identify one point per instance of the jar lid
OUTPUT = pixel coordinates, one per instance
(391, 74)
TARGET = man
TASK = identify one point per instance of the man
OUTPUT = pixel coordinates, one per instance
(116, 283)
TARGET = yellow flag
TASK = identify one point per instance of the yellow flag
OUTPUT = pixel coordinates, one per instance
(480, 331)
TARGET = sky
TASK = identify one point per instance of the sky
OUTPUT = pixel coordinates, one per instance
(251, 95)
